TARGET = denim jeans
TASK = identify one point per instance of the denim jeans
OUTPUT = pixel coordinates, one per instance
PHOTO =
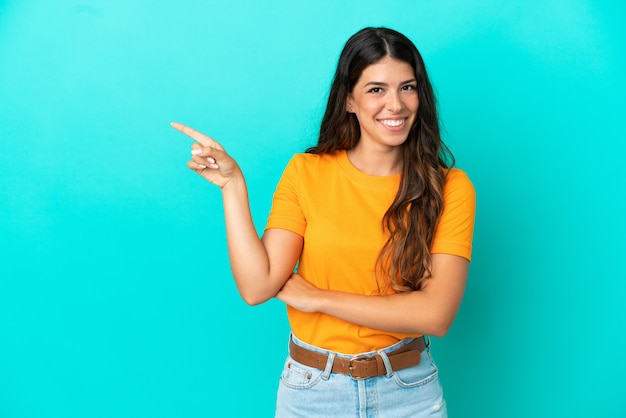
(308, 392)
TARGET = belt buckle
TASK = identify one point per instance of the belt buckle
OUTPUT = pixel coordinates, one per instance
(351, 366)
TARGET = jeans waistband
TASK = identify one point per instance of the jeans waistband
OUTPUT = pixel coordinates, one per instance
(404, 354)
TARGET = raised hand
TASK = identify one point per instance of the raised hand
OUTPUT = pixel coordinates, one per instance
(209, 158)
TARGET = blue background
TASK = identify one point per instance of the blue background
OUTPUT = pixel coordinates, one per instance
(116, 298)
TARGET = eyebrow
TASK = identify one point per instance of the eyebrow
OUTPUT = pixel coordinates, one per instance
(380, 83)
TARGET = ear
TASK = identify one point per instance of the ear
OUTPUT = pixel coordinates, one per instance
(349, 104)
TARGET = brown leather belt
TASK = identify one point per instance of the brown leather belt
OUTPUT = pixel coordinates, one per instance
(361, 367)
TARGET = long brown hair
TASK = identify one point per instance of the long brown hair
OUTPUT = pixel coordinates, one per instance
(413, 216)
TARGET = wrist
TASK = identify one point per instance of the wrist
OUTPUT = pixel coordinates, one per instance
(322, 300)
(235, 182)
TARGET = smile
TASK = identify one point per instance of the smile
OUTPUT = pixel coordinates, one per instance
(393, 123)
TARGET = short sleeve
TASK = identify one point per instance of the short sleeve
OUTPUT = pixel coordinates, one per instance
(286, 212)
(456, 226)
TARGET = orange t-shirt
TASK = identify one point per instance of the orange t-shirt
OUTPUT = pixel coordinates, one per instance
(338, 210)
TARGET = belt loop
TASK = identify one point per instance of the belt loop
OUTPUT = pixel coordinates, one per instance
(386, 362)
(329, 366)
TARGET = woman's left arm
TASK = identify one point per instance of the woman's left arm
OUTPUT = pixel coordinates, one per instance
(430, 310)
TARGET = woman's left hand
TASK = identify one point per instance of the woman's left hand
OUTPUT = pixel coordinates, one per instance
(300, 294)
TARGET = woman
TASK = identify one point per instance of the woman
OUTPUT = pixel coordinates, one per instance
(380, 228)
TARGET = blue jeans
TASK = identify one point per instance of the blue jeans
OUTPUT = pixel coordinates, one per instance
(308, 392)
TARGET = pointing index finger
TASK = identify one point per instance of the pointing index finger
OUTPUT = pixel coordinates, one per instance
(205, 140)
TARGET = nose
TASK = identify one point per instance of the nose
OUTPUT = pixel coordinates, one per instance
(394, 102)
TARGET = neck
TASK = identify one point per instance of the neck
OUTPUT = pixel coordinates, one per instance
(376, 162)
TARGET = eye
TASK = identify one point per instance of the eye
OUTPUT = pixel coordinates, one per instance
(375, 90)
(409, 87)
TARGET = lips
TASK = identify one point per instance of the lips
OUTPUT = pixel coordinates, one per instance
(393, 123)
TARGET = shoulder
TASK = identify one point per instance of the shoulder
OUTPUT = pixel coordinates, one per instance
(458, 187)
(311, 163)
(456, 175)
(457, 179)
(307, 158)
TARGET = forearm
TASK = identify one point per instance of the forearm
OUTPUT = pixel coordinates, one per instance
(430, 310)
(411, 312)
(248, 257)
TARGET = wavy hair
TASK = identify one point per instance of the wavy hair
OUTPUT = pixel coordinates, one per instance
(413, 216)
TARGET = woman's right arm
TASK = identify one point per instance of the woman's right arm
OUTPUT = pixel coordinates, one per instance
(260, 266)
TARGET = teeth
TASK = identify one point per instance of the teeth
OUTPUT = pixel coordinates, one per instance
(390, 122)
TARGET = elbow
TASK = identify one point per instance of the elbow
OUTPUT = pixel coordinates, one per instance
(439, 329)
(438, 332)
(251, 301)
(254, 298)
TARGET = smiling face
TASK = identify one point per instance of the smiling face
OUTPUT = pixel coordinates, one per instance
(385, 102)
